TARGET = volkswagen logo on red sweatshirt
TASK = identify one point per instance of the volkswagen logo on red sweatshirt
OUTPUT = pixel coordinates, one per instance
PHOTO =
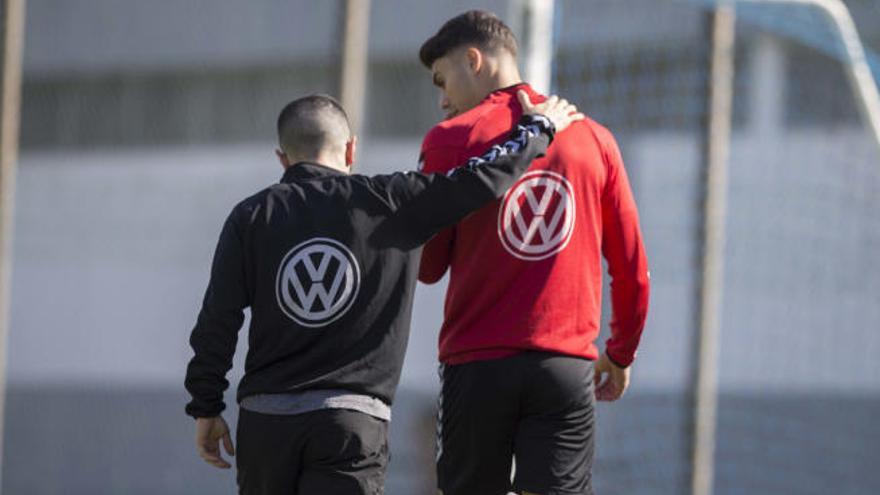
(536, 218)
(317, 282)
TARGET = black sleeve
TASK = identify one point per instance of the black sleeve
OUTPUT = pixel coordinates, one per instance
(424, 204)
(216, 331)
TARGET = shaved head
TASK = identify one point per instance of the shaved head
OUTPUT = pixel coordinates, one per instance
(313, 126)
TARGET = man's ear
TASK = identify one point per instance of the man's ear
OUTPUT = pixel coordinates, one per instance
(350, 151)
(475, 59)
(285, 162)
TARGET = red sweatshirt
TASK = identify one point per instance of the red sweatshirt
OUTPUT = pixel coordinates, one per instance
(526, 271)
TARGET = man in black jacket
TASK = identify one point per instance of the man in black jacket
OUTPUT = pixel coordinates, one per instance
(327, 262)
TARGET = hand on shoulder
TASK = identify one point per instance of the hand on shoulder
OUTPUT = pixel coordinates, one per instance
(560, 112)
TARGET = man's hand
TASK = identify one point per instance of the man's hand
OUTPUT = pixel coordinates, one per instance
(559, 111)
(610, 380)
(209, 432)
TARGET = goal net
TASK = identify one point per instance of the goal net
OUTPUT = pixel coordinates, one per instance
(799, 380)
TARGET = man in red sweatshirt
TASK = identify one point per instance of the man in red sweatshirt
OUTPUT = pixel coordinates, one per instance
(519, 366)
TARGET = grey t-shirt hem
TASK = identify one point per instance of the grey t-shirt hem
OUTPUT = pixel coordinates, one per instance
(290, 403)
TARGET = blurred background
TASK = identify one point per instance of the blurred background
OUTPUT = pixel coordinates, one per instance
(143, 123)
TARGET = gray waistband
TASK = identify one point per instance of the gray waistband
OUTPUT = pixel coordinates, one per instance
(289, 403)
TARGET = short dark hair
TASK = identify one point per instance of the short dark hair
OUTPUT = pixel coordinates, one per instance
(477, 27)
(312, 123)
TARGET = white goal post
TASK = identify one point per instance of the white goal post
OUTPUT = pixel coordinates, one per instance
(856, 64)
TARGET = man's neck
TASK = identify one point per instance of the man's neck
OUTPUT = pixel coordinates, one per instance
(504, 77)
(506, 82)
(329, 163)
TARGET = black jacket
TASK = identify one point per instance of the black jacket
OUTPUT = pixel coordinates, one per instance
(328, 264)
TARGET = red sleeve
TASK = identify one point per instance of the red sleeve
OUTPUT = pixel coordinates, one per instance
(627, 263)
(437, 251)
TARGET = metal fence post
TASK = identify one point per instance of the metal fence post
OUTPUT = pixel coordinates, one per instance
(11, 47)
(716, 151)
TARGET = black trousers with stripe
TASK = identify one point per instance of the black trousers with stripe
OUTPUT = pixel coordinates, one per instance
(534, 407)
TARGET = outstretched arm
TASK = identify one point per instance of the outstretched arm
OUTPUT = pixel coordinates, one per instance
(426, 203)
